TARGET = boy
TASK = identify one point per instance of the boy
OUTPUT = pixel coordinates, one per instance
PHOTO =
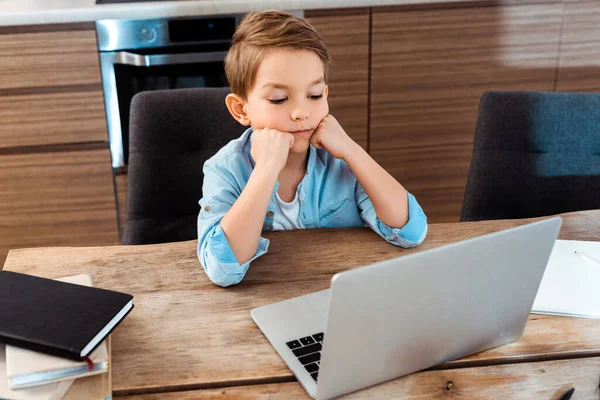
(295, 167)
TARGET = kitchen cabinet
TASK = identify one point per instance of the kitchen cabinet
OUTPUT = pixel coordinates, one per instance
(429, 68)
(56, 198)
(405, 83)
(37, 119)
(38, 57)
(346, 34)
(579, 60)
(56, 183)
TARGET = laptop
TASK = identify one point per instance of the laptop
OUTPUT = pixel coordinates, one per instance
(398, 316)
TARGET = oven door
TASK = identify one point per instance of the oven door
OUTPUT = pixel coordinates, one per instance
(125, 73)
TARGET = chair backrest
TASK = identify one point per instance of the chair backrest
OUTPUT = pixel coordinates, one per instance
(535, 154)
(172, 134)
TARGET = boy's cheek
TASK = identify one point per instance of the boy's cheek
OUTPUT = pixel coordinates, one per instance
(322, 115)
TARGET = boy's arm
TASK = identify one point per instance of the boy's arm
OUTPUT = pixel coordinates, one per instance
(231, 218)
(241, 219)
(220, 192)
(388, 196)
(384, 203)
(243, 223)
(410, 235)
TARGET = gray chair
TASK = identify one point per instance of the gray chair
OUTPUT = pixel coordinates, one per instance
(172, 134)
(535, 154)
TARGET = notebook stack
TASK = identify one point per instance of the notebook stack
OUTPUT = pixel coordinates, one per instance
(54, 337)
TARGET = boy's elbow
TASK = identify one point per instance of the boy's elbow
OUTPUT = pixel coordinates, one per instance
(406, 238)
(217, 273)
(224, 280)
(416, 238)
(220, 273)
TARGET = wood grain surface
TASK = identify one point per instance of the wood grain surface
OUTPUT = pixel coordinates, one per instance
(579, 64)
(58, 198)
(56, 58)
(52, 118)
(347, 37)
(187, 333)
(429, 69)
(540, 380)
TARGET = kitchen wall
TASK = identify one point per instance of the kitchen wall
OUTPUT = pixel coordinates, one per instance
(405, 83)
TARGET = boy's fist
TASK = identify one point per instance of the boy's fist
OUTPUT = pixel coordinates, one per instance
(331, 136)
(270, 148)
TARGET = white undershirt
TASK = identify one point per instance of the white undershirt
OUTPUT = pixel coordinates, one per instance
(287, 215)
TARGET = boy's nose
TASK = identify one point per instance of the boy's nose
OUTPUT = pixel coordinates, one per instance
(299, 114)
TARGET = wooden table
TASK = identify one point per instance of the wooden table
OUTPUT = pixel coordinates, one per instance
(187, 334)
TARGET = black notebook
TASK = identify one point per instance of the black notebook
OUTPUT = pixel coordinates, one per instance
(58, 318)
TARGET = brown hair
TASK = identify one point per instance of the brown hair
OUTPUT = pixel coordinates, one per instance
(262, 31)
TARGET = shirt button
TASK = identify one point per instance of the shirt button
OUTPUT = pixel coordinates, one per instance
(206, 208)
(270, 214)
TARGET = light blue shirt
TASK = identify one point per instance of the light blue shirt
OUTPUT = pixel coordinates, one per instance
(329, 194)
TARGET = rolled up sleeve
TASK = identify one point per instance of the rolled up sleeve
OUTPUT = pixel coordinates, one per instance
(214, 252)
(218, 259)
(410, 235)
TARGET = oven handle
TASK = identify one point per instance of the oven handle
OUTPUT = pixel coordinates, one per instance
(140, 60)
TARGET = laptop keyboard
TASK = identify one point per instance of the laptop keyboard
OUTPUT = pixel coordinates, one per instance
(308, 352)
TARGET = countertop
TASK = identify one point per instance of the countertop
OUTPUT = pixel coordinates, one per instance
(32, 12)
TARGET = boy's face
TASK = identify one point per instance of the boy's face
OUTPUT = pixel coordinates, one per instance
(289, 95)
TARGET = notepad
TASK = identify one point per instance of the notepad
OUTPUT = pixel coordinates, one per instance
(570, 285)
(26, 368)
(54, 391)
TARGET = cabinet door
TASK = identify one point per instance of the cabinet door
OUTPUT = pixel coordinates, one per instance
(579, 65)
(64, 198)
(346, 35)
(52, 118)
(429, 69)
(48, 56)
(50, 88)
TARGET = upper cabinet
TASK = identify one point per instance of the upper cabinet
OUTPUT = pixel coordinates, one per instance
(429, 69)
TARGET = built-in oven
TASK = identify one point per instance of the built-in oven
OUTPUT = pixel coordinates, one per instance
(139, 55)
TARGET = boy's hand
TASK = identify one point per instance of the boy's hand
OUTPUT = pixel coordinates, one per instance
(331, 136)
(270, 148)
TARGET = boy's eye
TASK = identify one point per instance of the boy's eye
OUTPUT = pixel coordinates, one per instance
(278, 101)
(316, 97)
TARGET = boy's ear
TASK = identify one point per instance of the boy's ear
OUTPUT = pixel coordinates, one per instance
(326, 91)
(235, 105)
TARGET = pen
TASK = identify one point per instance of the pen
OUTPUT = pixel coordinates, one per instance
(567, 394)
(586, 257)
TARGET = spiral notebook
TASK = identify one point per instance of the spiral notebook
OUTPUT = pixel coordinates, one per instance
(571, 280)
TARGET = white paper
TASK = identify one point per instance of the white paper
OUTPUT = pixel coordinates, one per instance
(571, 284)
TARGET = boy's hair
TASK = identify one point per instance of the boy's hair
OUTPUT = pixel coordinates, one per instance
(262, 31)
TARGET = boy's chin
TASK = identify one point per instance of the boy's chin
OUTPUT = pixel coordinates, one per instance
(300, 146)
